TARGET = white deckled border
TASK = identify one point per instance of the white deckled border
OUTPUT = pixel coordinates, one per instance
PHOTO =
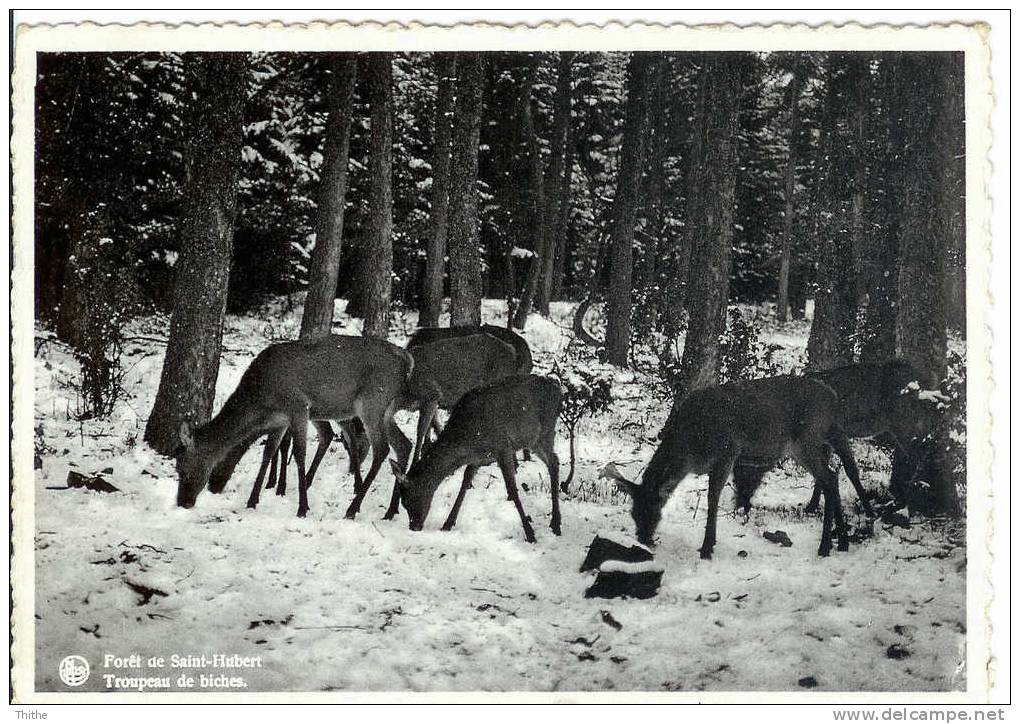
(318, 36)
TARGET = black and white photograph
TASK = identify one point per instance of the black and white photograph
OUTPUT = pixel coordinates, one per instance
(500, 363)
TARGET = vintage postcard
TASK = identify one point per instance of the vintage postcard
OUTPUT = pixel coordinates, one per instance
(560, 363)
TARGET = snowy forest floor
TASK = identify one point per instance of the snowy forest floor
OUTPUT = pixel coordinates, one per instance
(330, 604)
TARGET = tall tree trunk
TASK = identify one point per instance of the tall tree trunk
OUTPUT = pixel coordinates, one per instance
(646, 266)
(711, 192)
(536, 208)
(879, 339)
(928, 92)
(435, 253)
(793, 93)
(558, 198)
(831, 342)
(625, 207)
(465, 262)
(379, 261)
(187, 384)
(324, 266)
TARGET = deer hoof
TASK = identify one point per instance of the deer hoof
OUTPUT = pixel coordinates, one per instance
(529, 536)
(252, 504)
(556, 529)
(843, 546)
(302, 513)
(824, 551)
(706, 554)
(447, 527)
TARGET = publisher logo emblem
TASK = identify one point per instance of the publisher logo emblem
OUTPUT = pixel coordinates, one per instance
(74, 670)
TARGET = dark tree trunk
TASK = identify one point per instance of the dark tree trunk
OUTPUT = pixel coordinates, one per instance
(646, 266)
(188, 381)
(465, 262)
(378, 262)
(558, 186)
(831, 342)
(928, 94)
(537, 211)
(435, 254)
(711, 191)
(793, 93)
(625, 207)
(324, 265)
(879, 330)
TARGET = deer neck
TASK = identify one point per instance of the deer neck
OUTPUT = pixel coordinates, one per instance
(235, 424)
(438, 464)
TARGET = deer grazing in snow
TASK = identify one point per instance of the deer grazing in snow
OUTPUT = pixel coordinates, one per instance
(488, 425)
(428, 335)
(891, 400)
(286, 386)
(762, 422)
(448, 362)
(444, 371)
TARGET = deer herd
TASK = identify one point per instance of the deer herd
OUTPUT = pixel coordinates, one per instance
(482, 375)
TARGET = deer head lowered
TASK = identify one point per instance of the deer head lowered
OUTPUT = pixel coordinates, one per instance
(286, 386)
(488, 425)
(762, 421)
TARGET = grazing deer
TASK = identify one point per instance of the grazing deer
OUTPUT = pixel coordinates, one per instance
(427, 335)
(488, 425)
(761, 421)
(890, 400)
(286, 386)
(444, 371)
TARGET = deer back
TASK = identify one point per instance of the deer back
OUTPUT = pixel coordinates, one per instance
(331, 374)
(427, 335)
(454, 366)
(881, 397)
(761, 420)
(508, 415)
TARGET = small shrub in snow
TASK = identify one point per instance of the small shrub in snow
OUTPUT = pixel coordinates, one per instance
(586, 393)
(743, 356)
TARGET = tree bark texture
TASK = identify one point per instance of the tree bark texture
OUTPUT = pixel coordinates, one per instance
(625, 208)
(378, 262)
(710, 216)
(324, 266)
(439, 198)
(188, 381)
(465, 260)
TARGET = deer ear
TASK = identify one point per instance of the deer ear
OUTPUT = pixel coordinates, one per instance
(398, 473)
(187, 439)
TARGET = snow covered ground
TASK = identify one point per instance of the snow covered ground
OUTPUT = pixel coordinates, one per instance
(329, 604)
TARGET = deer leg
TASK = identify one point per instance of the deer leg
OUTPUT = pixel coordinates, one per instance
(285, 446)
(279, 463)
(816, 494)
(271, 481)
(324, 433)
(350, 439)
(299, 439)
(451, 519)
(426, 417)
(399, 442)
(272, 445)
(380, 449)
(552, 463)
(717, 478)
(506, 466)
(841, 445)
(746, 480)
(817, 462)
